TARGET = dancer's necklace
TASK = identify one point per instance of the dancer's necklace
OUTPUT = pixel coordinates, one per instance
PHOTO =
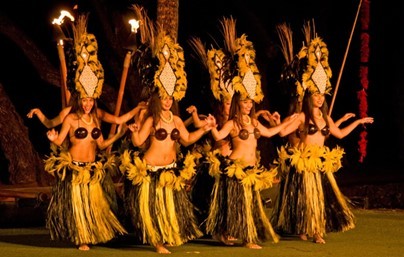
(248, 122)
(319, 116)
(87, 122)
(169, 120)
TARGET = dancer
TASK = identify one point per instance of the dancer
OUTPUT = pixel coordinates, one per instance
(81, 208)
(216, 61)
(156, 199)
(312, 203)
(236, 207)
(240, 178)
(213, 61)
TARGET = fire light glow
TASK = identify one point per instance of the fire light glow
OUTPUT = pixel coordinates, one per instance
(62, 16)
(134, 25)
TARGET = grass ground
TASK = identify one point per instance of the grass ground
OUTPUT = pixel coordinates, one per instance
(378, 233)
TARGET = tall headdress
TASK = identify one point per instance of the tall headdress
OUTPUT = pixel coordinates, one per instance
(247, 79)
(221, 86)
(159, 60)
(89, 73)
(290, 73)
(232, 68)
(316, 77)
(217, 63)
(170, 77)
(309, 68)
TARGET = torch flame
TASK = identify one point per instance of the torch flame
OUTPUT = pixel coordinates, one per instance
(134, 24)
(63, 14)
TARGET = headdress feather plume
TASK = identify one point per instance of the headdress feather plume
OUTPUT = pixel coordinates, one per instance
(159, 60)
(247, 80)
(89, 77)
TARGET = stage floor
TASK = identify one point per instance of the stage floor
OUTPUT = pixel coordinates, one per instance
(378, 233)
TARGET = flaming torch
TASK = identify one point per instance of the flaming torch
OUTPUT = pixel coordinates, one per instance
(59, 35)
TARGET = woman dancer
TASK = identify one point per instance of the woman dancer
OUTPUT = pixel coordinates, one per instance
(312, 203)
(81, 208)
(156, 199)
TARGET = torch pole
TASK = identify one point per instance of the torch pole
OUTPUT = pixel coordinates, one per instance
(121, 91)
(63, 74)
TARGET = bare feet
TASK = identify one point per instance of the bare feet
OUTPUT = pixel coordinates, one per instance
(231, 238)
(303, 237)
(161, 249)
(84, 247)
(252, 246)
(318, 239)
(223, 239)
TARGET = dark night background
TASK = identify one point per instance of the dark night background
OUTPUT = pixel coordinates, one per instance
(333, 20)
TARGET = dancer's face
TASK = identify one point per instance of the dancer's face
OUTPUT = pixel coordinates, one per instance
(87, 103)
(318, 99)
(166, 103)
(245, 106)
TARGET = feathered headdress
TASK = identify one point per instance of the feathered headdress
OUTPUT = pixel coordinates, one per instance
(217, 63)
(232, 69)
(316, 77)
(309, 68)
(290, 74)
(89, 73)
(221, 85)
(159, 60)
(247, 79)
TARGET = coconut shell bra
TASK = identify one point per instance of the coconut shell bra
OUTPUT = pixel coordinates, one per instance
(313, 129)
(82, 132)
(244, 134)
(162, 134)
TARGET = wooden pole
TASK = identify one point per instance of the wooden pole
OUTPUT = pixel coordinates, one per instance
(60, 36)
(63, 74)
(121, 91)
(343, 62)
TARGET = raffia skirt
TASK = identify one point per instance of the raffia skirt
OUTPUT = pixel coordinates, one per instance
(236, 207)
(309, 200)
(157, 202)
(83, 205)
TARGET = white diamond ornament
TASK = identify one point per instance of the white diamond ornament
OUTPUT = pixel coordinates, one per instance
(168, 79)
(319, 75)
(89, 80)
(250, 84)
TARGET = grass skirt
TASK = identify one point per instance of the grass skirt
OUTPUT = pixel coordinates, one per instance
(83, 203)
(236, 207)
(157, 201)
(201, 185)
(309, 200)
